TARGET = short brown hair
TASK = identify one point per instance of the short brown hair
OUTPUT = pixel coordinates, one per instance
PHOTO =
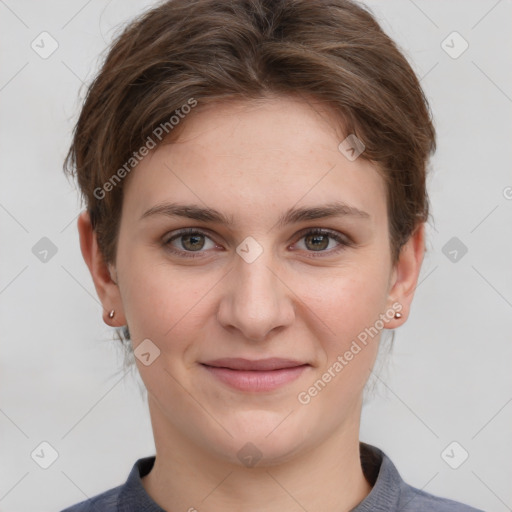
(333, 51)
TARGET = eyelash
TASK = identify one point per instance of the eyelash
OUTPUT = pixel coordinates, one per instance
(343, 241)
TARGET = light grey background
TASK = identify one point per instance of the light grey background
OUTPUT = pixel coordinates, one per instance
(449, 378)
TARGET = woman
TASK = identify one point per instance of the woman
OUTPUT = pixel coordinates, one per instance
(254, 175)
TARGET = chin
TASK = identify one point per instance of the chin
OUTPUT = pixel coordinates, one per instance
(261, 439)
(258, 453)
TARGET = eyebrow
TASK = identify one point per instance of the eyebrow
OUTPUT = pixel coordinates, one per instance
(291, 216)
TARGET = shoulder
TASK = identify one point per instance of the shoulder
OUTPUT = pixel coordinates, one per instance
(391, 493)
(416, 500)
(129, 496)
(104, 502)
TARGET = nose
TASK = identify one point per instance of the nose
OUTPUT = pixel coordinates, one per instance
(256, 299)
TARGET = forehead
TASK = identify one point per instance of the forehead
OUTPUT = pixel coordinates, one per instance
(255, 158)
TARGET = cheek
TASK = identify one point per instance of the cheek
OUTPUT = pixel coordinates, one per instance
(348, 346)
(166, 308)
(161, 302)
(346, 309)
(346, 300)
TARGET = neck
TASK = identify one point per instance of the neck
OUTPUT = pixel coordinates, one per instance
(327, 477)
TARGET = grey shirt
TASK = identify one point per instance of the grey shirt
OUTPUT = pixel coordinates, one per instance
(389, 492)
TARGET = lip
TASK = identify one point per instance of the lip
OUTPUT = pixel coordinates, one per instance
(255, 375)
(239, 363)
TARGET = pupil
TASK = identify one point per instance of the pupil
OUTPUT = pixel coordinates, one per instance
(316, 238)
(194, 239)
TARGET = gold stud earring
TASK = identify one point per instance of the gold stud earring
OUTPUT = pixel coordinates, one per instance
(111, 314)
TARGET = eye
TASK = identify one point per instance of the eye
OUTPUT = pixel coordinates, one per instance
(186, 242)
(192, 240)
(318, 241)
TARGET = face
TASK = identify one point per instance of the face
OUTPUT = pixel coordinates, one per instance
(237, 271)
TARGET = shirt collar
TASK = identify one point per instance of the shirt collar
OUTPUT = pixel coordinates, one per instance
(133, 496)
(382, 474)
(377, 468)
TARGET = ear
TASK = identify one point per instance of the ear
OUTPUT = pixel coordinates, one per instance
(106, 287)
(405, 274)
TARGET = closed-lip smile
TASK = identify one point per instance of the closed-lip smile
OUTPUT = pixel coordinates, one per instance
(255, 374)
(239, 363)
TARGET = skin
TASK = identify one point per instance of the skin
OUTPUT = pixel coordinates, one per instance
(253, 161)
